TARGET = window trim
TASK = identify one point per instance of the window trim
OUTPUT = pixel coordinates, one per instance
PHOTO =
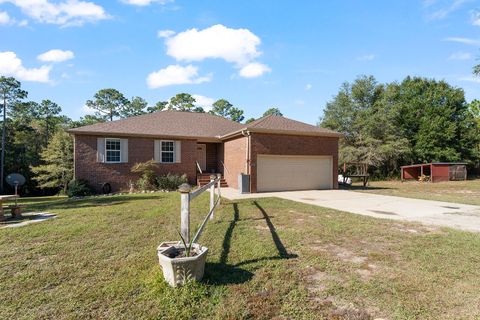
(120, 150)
(173, 152)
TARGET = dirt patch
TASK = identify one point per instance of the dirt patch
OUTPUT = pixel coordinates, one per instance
(342, 253)
(332, 309)
(416, 229)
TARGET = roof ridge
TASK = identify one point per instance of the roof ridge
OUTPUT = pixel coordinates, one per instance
(258, 121)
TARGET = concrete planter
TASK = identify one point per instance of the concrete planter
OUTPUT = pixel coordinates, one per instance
(178, 271)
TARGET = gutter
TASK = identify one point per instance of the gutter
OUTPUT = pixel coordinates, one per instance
(281, 132)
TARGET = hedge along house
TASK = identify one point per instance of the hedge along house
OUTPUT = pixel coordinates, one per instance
(275, 152)
(436, 171)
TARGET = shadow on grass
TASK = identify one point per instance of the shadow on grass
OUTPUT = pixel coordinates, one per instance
(26, 217)
(361, 187)
(101, 201)
(224, 273)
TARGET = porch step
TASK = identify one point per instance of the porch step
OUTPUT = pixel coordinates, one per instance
(203, 179)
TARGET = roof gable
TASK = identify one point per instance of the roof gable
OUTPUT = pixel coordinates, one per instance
(282, 125)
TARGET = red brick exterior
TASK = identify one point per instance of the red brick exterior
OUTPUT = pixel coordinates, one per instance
(292, 145)
(235, 160)
(232, 152)
(118, 174)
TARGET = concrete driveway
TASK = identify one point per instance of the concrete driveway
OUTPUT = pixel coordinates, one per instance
(460, 216)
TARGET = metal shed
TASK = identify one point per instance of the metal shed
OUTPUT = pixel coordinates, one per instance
(437, 171)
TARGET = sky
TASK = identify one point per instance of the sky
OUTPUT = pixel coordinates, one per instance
(293, 55)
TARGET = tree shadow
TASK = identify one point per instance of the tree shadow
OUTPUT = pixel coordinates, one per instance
(361, 187)
(224, 273)
(88, 202)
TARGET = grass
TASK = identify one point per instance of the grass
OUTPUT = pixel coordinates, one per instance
(467, 192)
(268, 258)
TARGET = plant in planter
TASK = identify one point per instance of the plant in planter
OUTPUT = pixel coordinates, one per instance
(182, 262)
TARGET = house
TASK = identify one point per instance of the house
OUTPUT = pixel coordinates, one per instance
(276, 152)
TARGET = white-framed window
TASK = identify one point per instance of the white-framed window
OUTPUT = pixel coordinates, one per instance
(167, 151)
(113, 150)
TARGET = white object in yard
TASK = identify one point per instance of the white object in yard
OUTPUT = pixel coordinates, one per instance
(178, 271)
(341, 180)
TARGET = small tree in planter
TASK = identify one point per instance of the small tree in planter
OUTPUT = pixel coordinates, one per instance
(184, 260)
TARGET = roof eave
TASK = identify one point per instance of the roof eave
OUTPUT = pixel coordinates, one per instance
(143, 135)
(285, 132)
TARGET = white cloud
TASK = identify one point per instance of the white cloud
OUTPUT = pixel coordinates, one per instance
(56, 55)
(232, 45)
(253, 70)
(4, 17)
(475, 17)
(87, 110)
(366, 57)
(236, 46)
(174, 75)
(165, 33)
(66, 13)
(460, 56)
(11, 65)
(468, 41)
(308, 87)
(143, 3)
(443, 9)
(470, 79)
(203, 101)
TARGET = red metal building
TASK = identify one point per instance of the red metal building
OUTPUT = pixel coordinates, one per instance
(435, 172)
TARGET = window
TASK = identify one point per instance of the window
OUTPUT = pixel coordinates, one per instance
(112, 150)
(167, 152)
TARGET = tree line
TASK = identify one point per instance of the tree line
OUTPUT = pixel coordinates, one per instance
(35, 142)
(417, 120)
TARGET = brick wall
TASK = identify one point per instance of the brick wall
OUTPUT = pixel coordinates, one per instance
(292, 145)
(118, 174)
(234, 159)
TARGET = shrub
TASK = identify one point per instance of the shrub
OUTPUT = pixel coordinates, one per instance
(79, 188)
(147, 179)
(171, 181)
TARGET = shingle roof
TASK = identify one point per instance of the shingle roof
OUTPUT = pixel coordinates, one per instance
(165, 123)
(279, 124)
(198, 125)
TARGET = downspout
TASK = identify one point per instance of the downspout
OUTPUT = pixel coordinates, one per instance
(246, 134)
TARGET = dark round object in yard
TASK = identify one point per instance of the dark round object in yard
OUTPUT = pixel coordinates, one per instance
(15, 179)
(106, 188)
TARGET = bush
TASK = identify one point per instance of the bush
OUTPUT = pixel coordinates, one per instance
(79, 188)
(147, 179)
(171, 181)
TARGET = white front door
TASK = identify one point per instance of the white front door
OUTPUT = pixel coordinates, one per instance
(202, 156)
(282, 172)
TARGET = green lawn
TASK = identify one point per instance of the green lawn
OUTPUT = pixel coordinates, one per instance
(268, 258)
(467, 192)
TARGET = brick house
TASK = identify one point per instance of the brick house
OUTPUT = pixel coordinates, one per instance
(276, 152)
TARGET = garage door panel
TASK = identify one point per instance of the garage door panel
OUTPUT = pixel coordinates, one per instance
(279, 172)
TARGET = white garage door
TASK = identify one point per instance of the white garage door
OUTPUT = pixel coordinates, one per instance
(282, 173)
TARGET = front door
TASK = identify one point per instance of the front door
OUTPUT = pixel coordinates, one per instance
(202, 156)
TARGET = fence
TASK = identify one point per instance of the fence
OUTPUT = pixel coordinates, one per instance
(186, 197)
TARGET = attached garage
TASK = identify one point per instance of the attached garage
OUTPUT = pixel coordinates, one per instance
(289, 172)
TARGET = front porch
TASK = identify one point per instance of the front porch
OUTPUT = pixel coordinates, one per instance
(209, 160)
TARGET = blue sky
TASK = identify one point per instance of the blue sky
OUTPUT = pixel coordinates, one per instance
(256, 54)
